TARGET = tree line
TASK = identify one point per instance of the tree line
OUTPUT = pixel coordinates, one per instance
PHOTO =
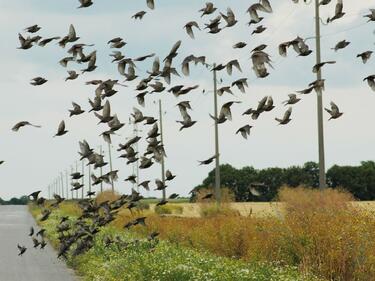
(23, 200)
(358, 180)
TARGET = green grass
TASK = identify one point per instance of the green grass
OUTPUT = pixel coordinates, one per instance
(165, 262)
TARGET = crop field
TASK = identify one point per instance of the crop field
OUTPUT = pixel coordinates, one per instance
(258, 209)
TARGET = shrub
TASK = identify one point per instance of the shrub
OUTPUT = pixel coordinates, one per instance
(143, 206)
(169, 209)
(321, 233)
(107, 195)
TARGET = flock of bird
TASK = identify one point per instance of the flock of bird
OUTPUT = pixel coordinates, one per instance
(77, 236)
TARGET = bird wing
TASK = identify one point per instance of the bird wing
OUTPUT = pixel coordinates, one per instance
(72, 32)
(184, 113)
(150, 4)
(267, 6)
(61, 127)
(334, 108)
(339, 7)
(287, 114)
(107, 109)
(175, 47)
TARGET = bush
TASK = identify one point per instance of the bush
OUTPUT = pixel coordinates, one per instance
(169, 209)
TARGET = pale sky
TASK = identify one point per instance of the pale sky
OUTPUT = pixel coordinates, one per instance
(34, 159)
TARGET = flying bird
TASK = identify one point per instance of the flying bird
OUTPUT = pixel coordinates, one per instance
(208, 161)
(32, 29)
(85, 3)
(286, 118)
(37, 81)
(72, 75)
(245, 131)
(77, 110)
(365, 56)
(189, 28)
(334, 111)
(21, 249)
(61, 129)
(371, 81)
(22, 124)
(318, 66)
(292, 100)
(150, 4)
(208, 10)
(338, 11)
(371, 16)
(139, 15)
(341, 45)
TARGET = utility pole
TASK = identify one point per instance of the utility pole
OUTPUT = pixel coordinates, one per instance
(77, 172)
(135, 165)
(49, 191)
(71, 181)
(322, 170)
(110, 165)
(217, 153)
(162, 144)
(67, 184)
(90, 180)
(101, 172)
(83, 178)
(62, 184)
(57, 186)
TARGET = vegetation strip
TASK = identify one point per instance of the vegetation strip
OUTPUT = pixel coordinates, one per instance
(136, 259)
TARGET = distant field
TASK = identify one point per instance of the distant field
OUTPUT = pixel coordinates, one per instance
(257, 209)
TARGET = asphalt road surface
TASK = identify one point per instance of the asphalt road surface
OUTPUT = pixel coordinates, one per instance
(35, 264)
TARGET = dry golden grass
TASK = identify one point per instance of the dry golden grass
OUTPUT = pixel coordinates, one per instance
(321, 232)
(107, 195)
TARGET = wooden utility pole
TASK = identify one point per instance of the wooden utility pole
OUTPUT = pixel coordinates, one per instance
(83, 179)
(110, 165)
(77, 172)
(71, 181)
(62, 184)
(101, 171)
(90, 180)
(322, 170)
(162, 144)
(67, 184)
(217, 153)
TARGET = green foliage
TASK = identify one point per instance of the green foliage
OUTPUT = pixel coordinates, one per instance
(169, 209)
(359, 180)
(23, 200)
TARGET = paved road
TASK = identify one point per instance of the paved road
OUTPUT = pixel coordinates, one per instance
(35, 264)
